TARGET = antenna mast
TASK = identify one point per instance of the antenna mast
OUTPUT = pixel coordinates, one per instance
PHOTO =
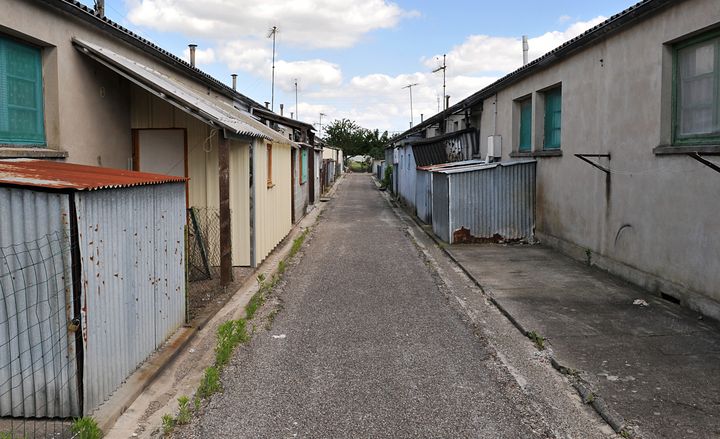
(273, 33)
(443, 68)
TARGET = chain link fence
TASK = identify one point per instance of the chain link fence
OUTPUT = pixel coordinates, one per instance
(203, 243)
(39, 388)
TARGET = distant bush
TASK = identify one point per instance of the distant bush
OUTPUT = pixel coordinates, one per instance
(387, 178)
(358, 167)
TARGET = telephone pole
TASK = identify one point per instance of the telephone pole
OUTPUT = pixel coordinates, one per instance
(410, 86)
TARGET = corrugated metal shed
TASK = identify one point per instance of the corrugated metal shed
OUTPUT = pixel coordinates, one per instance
(131, 287)
(451, 147)
(60, 175)
(213, 112)
(423, 187)
(485, 202)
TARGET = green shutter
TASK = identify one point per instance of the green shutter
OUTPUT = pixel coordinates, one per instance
(21, 99)
(304, 166)
(525, 125)
(553, 118)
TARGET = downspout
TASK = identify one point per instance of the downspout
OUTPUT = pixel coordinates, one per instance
(251, 192)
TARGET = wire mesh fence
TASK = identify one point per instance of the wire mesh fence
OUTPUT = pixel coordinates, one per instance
(39, 388)
(203, 243)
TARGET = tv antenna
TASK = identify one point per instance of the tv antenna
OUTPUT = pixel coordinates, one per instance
(409, 87)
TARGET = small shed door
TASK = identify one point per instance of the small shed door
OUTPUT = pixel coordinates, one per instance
(160, 151)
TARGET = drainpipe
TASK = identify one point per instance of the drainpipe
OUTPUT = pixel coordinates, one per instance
(526, 48)
(192, 54)
(251, 203)
(234, 79)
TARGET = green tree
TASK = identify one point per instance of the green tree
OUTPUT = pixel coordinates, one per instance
(354, 139)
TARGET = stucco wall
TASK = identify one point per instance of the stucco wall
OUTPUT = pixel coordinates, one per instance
(654, 219)
(87, 106)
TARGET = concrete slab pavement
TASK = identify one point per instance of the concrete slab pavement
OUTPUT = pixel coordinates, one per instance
(657, 366)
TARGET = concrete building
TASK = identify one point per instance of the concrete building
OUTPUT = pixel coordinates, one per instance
(104, 96)
(622, 121)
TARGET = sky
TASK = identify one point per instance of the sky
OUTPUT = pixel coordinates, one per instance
(352, 59)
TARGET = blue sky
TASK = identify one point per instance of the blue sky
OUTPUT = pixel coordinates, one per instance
(351, 59)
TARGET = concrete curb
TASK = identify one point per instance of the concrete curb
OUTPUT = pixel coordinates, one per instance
(111, 410)
(613, 419)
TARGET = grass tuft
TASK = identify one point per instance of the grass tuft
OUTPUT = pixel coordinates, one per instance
(538, 339)
(86, 428)
(229, 335)
(210, 383)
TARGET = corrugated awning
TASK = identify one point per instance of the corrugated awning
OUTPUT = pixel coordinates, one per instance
(60, 175)
(213, 112)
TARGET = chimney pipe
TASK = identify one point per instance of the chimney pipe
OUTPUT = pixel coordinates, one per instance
(192, 54)
(281, 109)
(234, 77)
(292, 115)
(422, 118)
(447, 101)
(267, 104)
(526, 48)
(100, 8)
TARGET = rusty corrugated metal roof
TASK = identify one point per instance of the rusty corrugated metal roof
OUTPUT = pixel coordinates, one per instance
(59, 175)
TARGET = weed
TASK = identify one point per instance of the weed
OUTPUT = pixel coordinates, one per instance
(387, 178)
(184, 413)
(210, 383)
(168, 424)
(196, 403)
(624, 433)
(588, 256)
(282, 266)
(261, 278)
(271, 317)
(538, 339)
(298, 243)
(229, 335)
(255, 302)
(11, 435)
(86, 428)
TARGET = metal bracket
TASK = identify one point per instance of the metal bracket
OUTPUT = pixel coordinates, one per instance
(704, 161)
(584, 157)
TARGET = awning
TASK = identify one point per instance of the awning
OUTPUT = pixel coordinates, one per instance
(212, 112)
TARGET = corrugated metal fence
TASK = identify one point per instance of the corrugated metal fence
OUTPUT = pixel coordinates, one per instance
(493, 202)
(133, 293)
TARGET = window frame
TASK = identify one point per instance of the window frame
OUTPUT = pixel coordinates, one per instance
(268, 158)
(41, 139)
(545, 147)
(690, 140)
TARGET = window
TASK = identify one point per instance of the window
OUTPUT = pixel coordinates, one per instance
(21, 100)
(269, 165)
(697, 91)
(303, 166)
(525, 135)
(553, 118)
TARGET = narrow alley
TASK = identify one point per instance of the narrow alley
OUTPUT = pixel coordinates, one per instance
(367, 345)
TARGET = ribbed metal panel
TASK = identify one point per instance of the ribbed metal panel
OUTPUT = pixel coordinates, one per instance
(440, 207)
(423, 195)
(492, 200)
(37, 358)
(133, 290)
(406, 175)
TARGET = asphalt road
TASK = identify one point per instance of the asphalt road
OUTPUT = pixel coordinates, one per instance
(367, 345)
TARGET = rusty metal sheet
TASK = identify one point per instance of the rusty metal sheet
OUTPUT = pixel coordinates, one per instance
(60, 175)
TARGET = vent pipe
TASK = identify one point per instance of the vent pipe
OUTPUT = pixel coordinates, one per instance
(526, 48)
(292, 115)
(234, 78)
(282, 106)
(100, 8)
(192, 54)
(267, 104)
(422, 118)
(447, 101)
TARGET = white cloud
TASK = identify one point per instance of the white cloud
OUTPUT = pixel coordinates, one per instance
(306, 23)
(484, 53)
(202, 56)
